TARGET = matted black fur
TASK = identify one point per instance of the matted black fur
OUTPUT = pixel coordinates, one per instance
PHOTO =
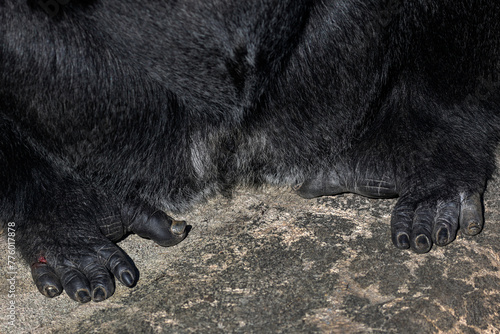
(112, 111)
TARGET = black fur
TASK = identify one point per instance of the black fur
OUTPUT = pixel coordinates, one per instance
(112, 109)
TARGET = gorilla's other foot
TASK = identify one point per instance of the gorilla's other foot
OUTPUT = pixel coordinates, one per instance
(417, 225)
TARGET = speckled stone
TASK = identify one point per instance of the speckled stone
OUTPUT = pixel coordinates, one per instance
(268, 261)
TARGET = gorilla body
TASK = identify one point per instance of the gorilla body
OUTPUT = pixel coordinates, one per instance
(111, 111)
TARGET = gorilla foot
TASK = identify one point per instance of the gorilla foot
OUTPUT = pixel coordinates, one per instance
(85, 274)
(415, 224)
(418, 225)
(72, 247)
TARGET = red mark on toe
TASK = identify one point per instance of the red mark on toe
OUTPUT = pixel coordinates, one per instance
(41, 259)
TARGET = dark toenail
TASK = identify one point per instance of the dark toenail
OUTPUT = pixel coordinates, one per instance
(443, 236)
(178, 227)
(99, 294)
(422, 243)
(473, 228)
(404, 240)
(127, 278)
(51, 291)
(83, 296)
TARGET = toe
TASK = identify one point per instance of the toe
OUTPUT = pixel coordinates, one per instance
(164, 231)
(471, 214)
(76, 284)
(46, 280)
(401, 222)
(155, 224)
(101, 283)
(420, 237)
(119, 264)
(446, 223)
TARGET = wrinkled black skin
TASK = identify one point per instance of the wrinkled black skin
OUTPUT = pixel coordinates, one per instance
(112, 109)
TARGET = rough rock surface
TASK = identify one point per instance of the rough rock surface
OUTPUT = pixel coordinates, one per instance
(270, 262)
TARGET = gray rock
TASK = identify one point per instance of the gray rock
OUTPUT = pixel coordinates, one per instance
(270, 262)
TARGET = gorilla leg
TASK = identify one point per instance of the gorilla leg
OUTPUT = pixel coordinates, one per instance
(416, 222)
(80, 255)
(64, 224)
(439, 176)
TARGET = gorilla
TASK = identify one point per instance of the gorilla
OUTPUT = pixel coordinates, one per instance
(115, 112)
